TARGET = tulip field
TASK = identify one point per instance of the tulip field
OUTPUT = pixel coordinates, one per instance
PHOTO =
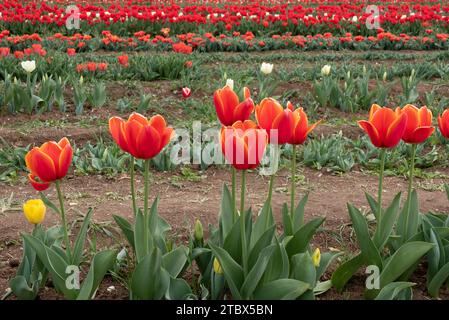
(224, 150)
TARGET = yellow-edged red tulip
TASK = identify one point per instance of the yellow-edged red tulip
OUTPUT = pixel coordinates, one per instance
(243, 144)
(301, 128)
(384, 127)
(276, 120)
(48, 163)
(419, 123)
(229, 108)
(443, 123)
(141, 137)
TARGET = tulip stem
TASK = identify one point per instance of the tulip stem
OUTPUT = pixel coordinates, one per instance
(410, 187)
(270, 189)
(145, 207)
(292, 192)
(64, 222)
(242, 224)
(381, 179)
(233, 195)
(133, 188)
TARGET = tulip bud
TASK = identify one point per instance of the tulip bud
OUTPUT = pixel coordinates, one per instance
(325, 70)
(198, 231)
(266, 68)
(230, 83)
(217, 267)
(34, 211)
(384, 77)
(364, 69)
(316, 257)
(81, 80)
(346, 85)
(348, 74)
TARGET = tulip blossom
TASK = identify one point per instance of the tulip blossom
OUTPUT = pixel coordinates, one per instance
(266, 68)
(301, 127)
(123, 60)
(276, 120)
(186, 92)
(243, 144)
(49, 163)
(384, 127)
(325, 70)
(34, 211)
(228, 107)
(443, 123)
(419, 123)
(28, 66)
(316, 257)
(141, 137)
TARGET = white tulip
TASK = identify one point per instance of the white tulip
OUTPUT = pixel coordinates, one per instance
(325, 70)
(266, 68)
(28, 66)
(230, 83)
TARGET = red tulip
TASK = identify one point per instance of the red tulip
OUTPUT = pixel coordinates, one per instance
(228, 107)
(123, 60)
(443, 123)
(384, 127)
(142, 138)
(243, 144)
(186, 92)
(275, 120)
(301, 128)
(49, 163)
(419, 123)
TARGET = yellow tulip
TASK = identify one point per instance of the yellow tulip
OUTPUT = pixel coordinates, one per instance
(217, 267)
(34, 211)
(316, 257)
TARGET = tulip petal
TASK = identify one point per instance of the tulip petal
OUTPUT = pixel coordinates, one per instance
(53, 150)
(38, 186)
(168, 134)
(63, 142)
(64, 162)
(369, 128)
(395, 131)
(243, 110)
(158, 123)
(116, 128)
(421, 134)
(135, 116)
(148, 143)
(381, 120)
(283, 127)
(224, 118)
(132, 132)
(41, 165)
(266, 112)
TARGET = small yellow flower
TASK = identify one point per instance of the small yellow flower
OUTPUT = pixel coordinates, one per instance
(316, 257)
(34, 211)
(217, 267)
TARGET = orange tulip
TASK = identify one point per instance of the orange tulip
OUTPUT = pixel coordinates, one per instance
(419, 123)
(385, 127)
(140, 137)
(275, 120)
(443, 123)
(301, 128)
(228, 107)
(243, 144)
(48, 163)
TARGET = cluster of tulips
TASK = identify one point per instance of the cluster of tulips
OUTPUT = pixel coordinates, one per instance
(244, 254)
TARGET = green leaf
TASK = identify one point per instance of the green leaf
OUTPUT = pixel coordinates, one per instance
(370, 253)
(231, 270)
(264, 241)
(300, 241)
(345, 272)
(408, 221)
(126, 228)
(101, 263)
(298, 218)
(388, 220)
(303, 268)
(438, 280)
(139, 243)
(322, 287)
(325, 262)
(233, 242)
(281, 289)
(372, 204)
(179, 289)
(407, 255)
(226, 211)
(49, 203)
(263, 222)
(395, 291)
(150, 280)
(286, 221)
(22, 290)
(80, 239)
(279, 265)
(174, 261)
(253, 278)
